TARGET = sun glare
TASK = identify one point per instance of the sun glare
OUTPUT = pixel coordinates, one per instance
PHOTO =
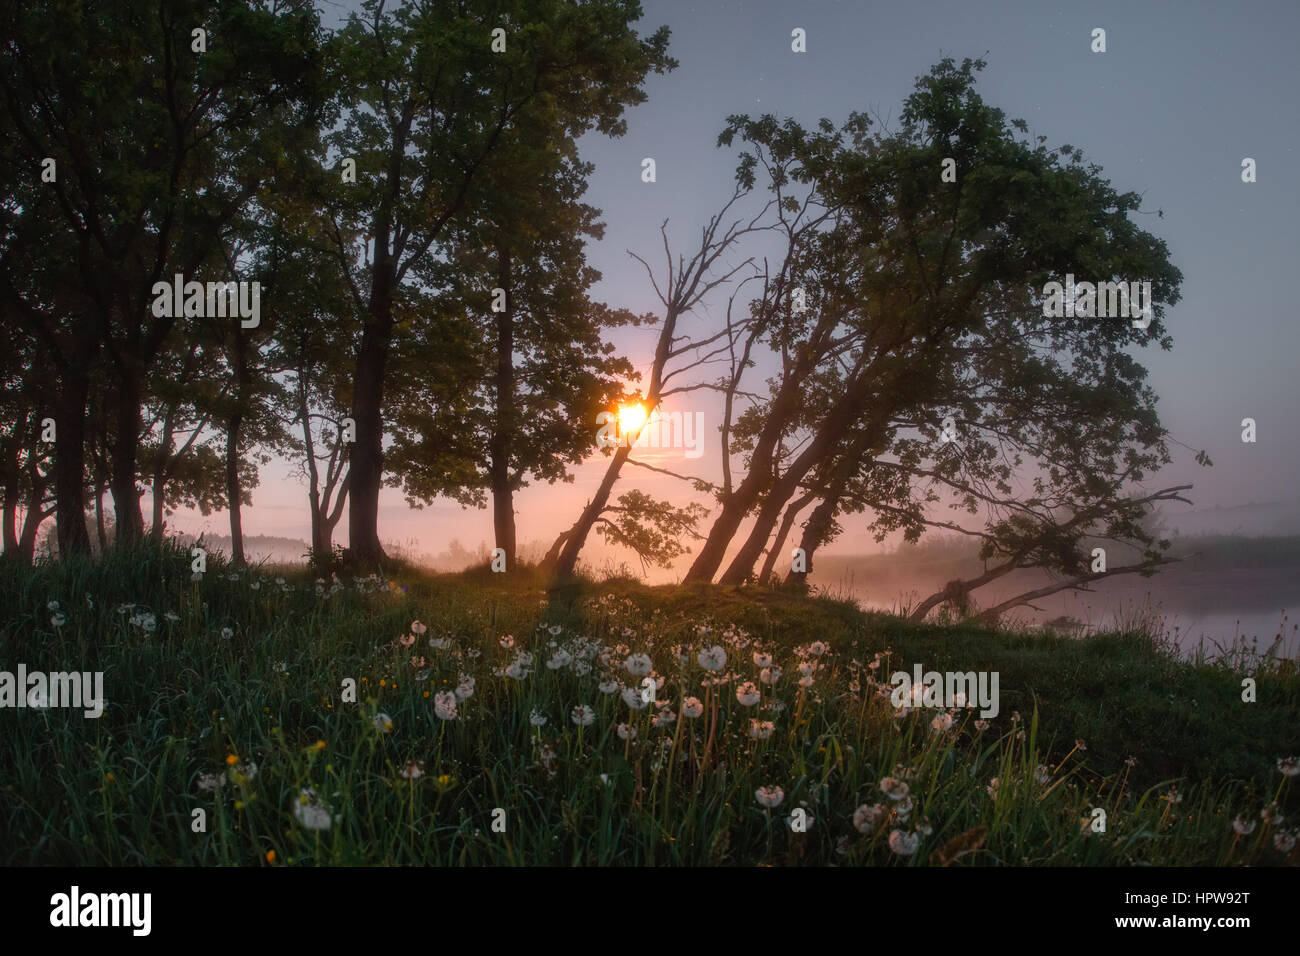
(631, 418)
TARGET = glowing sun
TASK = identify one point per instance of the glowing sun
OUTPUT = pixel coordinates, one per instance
(631, 418)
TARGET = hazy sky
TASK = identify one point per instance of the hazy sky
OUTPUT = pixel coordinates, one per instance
(1184, 92)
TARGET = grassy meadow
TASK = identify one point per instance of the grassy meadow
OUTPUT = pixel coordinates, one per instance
(494, 724)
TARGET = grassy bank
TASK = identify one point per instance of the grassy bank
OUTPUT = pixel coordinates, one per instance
(226, 695)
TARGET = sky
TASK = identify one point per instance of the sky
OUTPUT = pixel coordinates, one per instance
(1182, 94)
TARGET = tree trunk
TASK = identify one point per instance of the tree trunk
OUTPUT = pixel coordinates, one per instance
(234, 426)
(233, 489)
(70, 462)
(126, 443)
(160, 476)
(503, 505)
(577, 535)
(792, 512)
(32, 521)
(101, 531)
(366, 459)
(12, 496)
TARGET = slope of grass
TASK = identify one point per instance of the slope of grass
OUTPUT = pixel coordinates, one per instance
(226, 695)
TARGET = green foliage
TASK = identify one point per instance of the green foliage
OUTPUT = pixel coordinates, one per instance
(185, 705)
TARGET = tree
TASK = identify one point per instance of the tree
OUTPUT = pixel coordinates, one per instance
(925, 304)
(531, 371)
(158, 139)
(427, 102)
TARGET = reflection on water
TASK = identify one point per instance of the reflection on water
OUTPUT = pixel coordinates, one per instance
(1210, 608)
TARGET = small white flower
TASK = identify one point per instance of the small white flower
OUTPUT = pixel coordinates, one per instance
(280, 667)
(866, 817)
(1284, 841)
(227, 633)
(894, 788)
(712, 658)
(506, 641)
(438, 643)
(444, 705)
(413, 770)
(1243, 827)
(1289, 766)
(57, 620)
(747, 694)
(904, 844)
(942, 723)
(383, 723)
(632, 697)
(172, 616)
(51, 605)
(981, 725)
(769, 797)
(583, 715)
(309, 811)
(211, 781)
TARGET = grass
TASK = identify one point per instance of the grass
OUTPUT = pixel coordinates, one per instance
(254, 730)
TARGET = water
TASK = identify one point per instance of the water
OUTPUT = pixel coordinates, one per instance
(1206, 607)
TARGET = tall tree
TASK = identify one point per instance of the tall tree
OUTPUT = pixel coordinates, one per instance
(934, 306)
(161, 120)
(429, 92)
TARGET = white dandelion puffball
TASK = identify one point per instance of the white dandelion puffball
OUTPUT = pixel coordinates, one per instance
(868, 816)
(309, 811)
(770, 675)
(769, 797)
(626, 732)
(383, 723)
(894, 788)
(632, 697)
(762, 660)
(747, 694)
(638, 665)
(712, 658)
(417, 628)
(444, 705)
(761, 729)
(691, 707)
(583, 715)
(904, 844)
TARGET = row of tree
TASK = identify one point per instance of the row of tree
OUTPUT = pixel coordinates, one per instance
(407, 191)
